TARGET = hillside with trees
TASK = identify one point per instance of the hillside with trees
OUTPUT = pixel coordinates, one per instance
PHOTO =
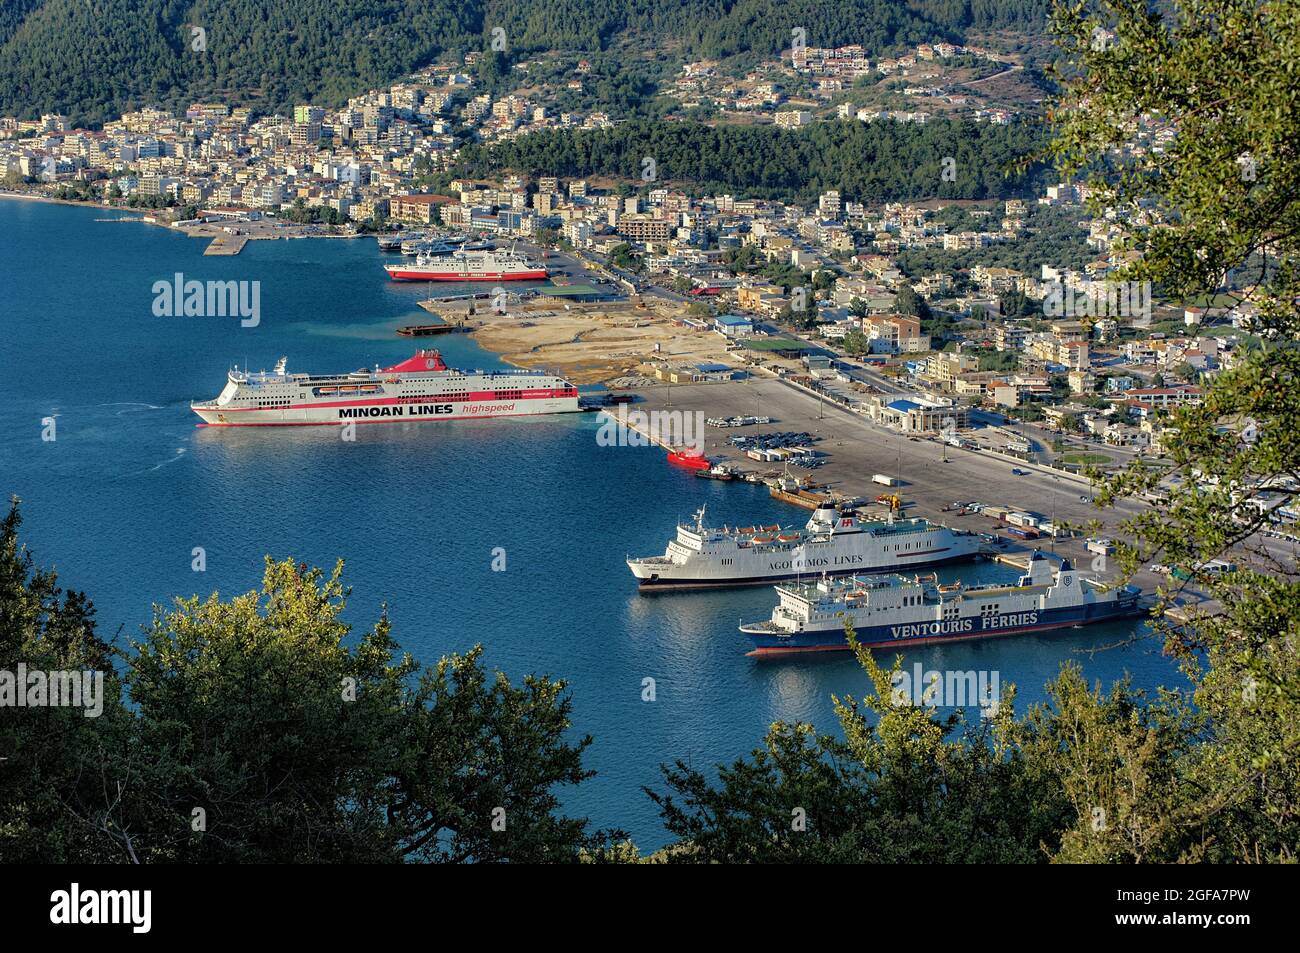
(94, 62)
(866, 162)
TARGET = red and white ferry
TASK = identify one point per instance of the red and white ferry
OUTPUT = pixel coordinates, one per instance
(420, 388)
(467, 264)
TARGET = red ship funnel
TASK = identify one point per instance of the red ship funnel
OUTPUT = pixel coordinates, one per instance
(420, 361)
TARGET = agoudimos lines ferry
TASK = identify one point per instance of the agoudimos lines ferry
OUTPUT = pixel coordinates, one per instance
(831, 542)
(420, 388)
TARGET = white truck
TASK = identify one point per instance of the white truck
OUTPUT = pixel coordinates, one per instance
(885, 480)
(1101, 547)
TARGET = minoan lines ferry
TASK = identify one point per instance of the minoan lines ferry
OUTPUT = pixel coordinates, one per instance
(894, 611)
(468, 265)
(420, 388)
(831, 542)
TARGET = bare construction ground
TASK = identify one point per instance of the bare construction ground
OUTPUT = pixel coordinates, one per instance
(592, 343)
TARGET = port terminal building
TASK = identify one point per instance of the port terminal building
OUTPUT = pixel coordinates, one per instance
(562, 294)
(916, 414)
(699, 373)
(733, 325)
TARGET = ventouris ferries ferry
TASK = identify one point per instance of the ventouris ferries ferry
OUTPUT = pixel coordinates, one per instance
(420, 388)
(894, 611)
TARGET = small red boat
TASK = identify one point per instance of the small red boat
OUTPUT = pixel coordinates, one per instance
(692, 461)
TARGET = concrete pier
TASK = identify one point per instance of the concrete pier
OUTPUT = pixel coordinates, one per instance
(857, 449)
(226, 245)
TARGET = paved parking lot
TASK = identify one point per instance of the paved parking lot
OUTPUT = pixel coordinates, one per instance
(859, 449)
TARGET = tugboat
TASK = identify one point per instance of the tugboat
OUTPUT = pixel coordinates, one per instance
(719, 471)
(689, 460)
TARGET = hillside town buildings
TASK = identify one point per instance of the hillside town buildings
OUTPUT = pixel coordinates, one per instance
(832, 264)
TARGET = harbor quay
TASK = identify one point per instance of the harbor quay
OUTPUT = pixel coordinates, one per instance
(854, 449)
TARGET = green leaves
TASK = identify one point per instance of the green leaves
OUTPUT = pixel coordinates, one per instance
(1188, 128)
(263, 729)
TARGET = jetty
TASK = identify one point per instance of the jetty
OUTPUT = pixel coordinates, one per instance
(512, 296)
(428, 330)
(226, 245)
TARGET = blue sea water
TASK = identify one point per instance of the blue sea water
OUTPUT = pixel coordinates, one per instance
(130, 486)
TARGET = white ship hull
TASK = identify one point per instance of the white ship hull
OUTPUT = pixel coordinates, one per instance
(410, 412)
(469, 265)
(831, 543)
(417, 390)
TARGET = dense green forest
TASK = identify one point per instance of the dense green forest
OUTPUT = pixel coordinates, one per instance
(93, 62)
(866, 162)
